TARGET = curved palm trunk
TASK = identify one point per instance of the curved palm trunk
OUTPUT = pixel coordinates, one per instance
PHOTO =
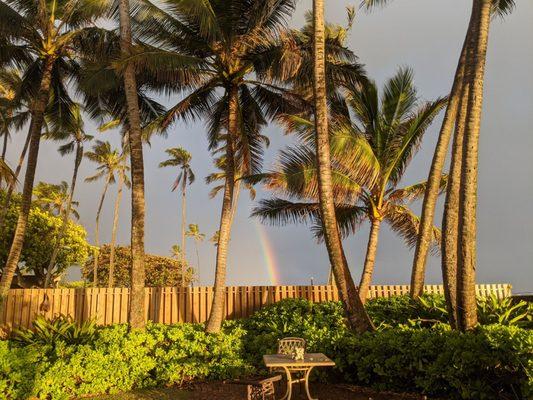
(97, 232)
(136, 307)
(11, 187)
(371, 250)
(434, 179)
(183, 225)
(35, 132)
(358, 319)
(466, 290)
(111, 277)
(226, 218)
(450, 220)
(64, 222)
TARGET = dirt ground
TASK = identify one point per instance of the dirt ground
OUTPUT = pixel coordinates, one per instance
(232, 391)
(229, 391)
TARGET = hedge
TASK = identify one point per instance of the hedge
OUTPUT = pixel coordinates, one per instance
(489, 363)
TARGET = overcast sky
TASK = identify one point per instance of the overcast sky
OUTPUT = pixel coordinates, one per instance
(423, 34)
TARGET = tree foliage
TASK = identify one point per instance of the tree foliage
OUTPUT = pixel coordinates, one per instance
(43, 230)
(160, 270)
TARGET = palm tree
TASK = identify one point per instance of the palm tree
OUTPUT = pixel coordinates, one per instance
(181, 159)
(9, 84)
(466, 266)
(451, 118)
(207, 49)
(13, 115)
(357, 318)
(109, 161)
(43, 38)
(54, 198)
(136, 311)
(123, 180)
(75, 135)
(198, 237)
(383, 136)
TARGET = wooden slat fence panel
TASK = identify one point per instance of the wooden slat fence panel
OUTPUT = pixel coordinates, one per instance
(172, 305)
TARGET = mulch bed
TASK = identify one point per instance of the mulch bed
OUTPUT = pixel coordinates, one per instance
(232, 391)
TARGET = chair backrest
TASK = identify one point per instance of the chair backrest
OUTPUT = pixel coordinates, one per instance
(289, 344)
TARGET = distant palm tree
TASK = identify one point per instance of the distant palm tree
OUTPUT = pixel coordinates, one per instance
(109, 162)
(180, 159)
(73, 132)
(44, 38)
(198, 237)
(54, 198)
(369, 156)
(123, 180)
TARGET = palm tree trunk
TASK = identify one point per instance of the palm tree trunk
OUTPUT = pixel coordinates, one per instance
(64, 223)
(217, 308)
(11, 187)
(36, 124)
(111, 278)
(450, 220)
(137, 307)
(371, 250)
(197, 260)
(4, 147)
(183, 226)
(358, 319)
(466, 271)
(97, 232)
(435, 175)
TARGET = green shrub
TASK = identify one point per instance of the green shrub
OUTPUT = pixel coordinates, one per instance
(58, 329)
(119, 360)
(492, 361)
(439, 362)
(492, 310)
(18, 370)
(320, 324)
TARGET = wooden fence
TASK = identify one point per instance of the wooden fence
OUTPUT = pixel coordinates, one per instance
(170, 305)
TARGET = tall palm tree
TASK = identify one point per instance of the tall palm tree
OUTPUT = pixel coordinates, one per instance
(109, 162)
(43, 37)
(180, 159)
(198, 237)
(451, 118)
(136, 316)
(9, 85)
(76, 137)
(466, 291)
(123, 180)
(357, 317)
(207, 50)
(386, 133)
(13, 115)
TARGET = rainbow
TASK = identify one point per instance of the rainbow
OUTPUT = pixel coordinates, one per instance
(268, 254)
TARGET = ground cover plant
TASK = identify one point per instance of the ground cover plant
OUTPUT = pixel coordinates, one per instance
(491, 362)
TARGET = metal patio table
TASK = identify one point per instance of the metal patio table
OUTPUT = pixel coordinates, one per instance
(305, 366)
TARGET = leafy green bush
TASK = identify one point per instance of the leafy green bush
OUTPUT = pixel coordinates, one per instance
(492, 362)
(492, 310)
(59, 329)
(119, 360)
(480, 365)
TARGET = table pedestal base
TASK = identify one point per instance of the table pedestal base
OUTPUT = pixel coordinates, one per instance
(290, 382)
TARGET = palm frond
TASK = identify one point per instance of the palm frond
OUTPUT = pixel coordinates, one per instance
(406, 224)
(415, 192)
